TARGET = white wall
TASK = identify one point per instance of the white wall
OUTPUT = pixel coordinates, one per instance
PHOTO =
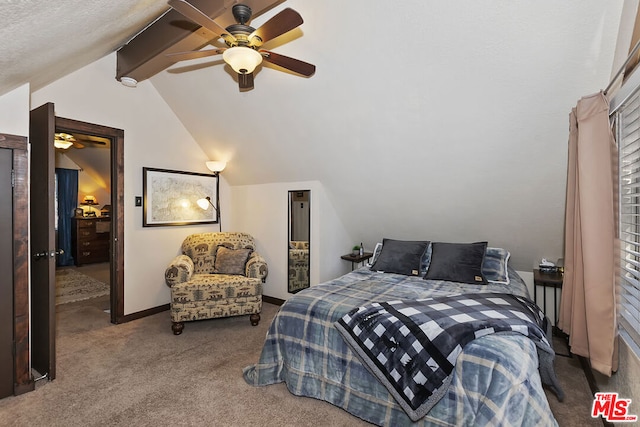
(454, 127)
(153, 137)
(262, 211)
(14, 111)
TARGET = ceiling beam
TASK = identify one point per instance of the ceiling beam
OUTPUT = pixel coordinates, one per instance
(145, 54)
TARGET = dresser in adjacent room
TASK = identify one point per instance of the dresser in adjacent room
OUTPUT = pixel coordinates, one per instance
(90, 240)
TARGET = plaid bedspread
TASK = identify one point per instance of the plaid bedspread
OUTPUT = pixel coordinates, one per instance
(412, 346)
(495, 381)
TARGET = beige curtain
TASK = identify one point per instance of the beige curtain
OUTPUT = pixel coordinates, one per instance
(587, 307)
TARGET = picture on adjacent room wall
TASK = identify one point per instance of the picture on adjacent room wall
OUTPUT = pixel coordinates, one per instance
(171, 198)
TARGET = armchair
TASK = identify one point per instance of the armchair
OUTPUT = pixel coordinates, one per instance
(217, 275)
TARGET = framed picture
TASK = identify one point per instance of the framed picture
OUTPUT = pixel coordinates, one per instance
(171, 198)
(79, 212)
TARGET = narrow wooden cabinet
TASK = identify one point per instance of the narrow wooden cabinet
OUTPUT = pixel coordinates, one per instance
(90, 240)
(15, 369)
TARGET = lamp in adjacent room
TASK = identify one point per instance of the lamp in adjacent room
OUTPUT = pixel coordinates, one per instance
(89, 201)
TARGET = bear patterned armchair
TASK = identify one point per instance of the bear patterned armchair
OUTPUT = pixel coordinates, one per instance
(217, 275)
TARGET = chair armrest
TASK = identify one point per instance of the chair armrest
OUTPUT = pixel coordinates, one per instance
(180, 270)
(256, 267)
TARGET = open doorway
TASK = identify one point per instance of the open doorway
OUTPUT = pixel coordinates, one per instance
(43, 125)
(83, 220)
(92, 268)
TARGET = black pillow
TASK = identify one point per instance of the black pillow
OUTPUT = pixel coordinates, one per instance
(400, 256)
(457, 262)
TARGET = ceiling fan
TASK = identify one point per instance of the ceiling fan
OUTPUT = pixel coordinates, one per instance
(64, 140)
(243, 53)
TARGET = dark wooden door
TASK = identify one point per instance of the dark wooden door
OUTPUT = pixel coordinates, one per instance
(6, 266)
(43, 248)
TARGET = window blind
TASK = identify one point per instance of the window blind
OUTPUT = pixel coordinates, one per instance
(627, 128)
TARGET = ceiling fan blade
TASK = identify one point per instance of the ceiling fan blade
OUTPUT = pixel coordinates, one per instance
(245, 81)
(289, 63)
(76, 144)
(183, 56)
(90, 142)
(194, 14)
(281, 23)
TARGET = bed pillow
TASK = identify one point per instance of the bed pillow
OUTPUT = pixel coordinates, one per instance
(495, 265)
(400, 256)
(376, 253)
(426, 260)
(457, 262)
(231, 261)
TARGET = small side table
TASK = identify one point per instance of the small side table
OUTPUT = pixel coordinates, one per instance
(547, 280)
(357, 259)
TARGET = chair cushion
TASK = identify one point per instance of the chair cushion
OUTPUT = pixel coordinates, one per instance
(202, 247)
(231, 261)
(215, 287)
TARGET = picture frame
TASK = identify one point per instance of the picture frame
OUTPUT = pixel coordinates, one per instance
(78, 212)
(170, 197)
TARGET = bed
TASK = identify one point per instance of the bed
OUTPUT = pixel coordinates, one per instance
(495, 379)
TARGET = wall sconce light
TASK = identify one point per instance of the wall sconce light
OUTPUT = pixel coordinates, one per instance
(216, 166)
(205, 203)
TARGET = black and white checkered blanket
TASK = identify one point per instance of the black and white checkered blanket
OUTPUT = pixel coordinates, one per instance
(412, 346)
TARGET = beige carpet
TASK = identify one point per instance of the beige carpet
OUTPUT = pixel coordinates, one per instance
(140, 374)
(73, 286)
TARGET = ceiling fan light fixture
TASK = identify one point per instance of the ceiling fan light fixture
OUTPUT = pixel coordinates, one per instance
(62, 144)
(63, 140)
(242, 59)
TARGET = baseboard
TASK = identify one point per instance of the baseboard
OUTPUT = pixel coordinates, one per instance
(272, 300)
(144, 313)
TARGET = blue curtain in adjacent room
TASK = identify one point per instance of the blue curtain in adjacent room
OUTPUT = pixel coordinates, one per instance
(67, 192)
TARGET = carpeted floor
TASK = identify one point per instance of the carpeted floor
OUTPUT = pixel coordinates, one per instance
(140, 374)
(73, 285)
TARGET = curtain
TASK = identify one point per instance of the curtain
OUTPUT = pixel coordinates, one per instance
(587, 306)
(67, 202)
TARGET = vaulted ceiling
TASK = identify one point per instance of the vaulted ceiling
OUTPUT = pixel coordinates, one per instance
(41, 41)
(445, 116)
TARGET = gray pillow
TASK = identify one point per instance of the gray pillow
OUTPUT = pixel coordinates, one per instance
(231, 261)
(400, 256)
(495, 266)
(457, 262)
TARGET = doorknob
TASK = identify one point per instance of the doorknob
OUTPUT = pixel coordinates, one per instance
(51, 254)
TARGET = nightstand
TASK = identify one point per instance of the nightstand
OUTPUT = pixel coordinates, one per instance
(547, 280)
(357, 259)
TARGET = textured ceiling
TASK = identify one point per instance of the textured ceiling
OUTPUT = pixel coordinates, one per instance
(41, 41)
